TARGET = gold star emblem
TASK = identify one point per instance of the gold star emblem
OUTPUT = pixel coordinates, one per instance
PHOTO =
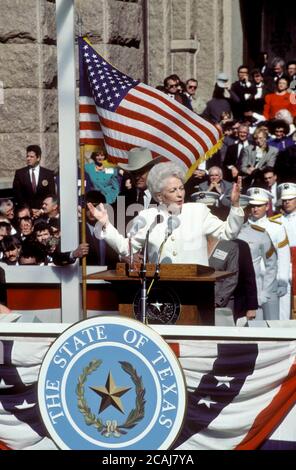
(110, 394)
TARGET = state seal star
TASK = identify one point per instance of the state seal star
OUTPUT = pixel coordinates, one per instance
(110, 394)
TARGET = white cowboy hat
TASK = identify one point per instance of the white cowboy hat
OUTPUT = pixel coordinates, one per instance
(138, 158)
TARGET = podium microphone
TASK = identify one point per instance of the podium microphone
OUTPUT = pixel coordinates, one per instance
(172, 223)
(138, 223)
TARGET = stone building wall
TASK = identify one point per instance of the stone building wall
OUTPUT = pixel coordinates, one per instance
(183, 36)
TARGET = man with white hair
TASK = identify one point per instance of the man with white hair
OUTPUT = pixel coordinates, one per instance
(259, 204)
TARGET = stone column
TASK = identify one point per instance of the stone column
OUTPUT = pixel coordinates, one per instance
(28, 114)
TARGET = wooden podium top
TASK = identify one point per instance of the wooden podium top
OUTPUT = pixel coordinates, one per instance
(168, 272)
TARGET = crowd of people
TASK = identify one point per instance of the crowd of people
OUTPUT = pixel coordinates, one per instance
(255, 168)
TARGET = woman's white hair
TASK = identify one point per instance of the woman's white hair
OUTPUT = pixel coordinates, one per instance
(159, 173)
(285, 115)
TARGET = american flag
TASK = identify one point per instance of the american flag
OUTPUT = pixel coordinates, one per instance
(241, 395)
(121, 113)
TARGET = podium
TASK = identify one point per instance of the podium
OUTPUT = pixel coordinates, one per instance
(182, 294)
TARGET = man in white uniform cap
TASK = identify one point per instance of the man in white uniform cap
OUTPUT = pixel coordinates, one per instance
(265, 266)
(259, 203)
(287, 200)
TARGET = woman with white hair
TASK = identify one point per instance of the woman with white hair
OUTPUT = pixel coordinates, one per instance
(177, 231)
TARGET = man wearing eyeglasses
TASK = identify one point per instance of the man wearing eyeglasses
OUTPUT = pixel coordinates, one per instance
(196, 102)
(172, 86)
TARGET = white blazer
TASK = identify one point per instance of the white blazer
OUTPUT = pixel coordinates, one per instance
(187, 243)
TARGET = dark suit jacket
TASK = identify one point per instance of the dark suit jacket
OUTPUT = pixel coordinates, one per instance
(94, 257)
(231, 158)
(224, 257)
(23, 190)
(245, 294)
(243, 105)
(3, 294)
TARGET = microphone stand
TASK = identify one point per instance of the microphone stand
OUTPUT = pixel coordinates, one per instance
(143, 271)
(131, 255)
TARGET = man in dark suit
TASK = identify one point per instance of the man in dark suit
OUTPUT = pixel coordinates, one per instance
(218, 185)
(232, 159)
(33, 183)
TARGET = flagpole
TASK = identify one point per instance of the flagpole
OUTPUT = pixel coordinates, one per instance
(83, 229)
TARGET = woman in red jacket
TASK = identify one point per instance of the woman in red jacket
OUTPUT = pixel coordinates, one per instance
(281, 99)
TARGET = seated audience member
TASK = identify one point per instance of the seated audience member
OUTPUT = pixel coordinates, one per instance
(5, 228)
(282, 140)
(291, 70)
(33, 183)
(197, 103)
(192, 184)
(256, 103)
(54, 254)
(32, 253)
(11, 247)
(217, 184)
(255, 158)
(270, 183)
(54, 228)
(245, 90)
(285, 115)
(279, 100)
(222, 100)
(172, 88)
(7, 212)
(233, 155)
(50, 208)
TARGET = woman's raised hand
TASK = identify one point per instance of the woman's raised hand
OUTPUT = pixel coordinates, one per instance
(236, 191)
(99, 212)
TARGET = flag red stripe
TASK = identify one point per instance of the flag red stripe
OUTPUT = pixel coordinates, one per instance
(4, 446)
(88, 108)
(89, 125)
(144, 135)
(173, 119)
(171, 104)
(270, 417)
(175, 347)
(90, 141)
(159, 126)
(124, 146)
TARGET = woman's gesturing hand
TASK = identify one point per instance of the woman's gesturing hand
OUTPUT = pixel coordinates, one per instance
(99, 212)
(236, 191)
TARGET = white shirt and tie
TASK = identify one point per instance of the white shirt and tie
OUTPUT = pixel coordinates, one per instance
(34, 175)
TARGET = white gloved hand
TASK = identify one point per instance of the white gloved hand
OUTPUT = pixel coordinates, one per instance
(262, 299)
(282, 288)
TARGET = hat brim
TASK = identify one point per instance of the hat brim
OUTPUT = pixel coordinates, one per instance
(222, 84)
(287, 198)
(127, 167)
(253, 202)
(205, 197)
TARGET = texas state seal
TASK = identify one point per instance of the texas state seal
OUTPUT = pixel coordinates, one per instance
(111, 383)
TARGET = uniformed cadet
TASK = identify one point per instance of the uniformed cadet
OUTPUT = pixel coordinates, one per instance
(287, 200)
(265, 266)
(259, 204)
